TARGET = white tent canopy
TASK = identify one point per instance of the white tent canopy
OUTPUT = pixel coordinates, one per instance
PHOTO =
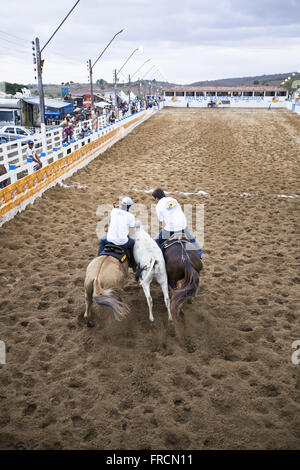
(123, 97)
(132, 96)
(101, 104)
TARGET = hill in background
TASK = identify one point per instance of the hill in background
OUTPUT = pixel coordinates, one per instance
(273, 79)
(54, 91)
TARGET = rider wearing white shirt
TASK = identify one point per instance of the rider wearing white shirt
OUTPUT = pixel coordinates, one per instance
(121, 221)
(169, 212)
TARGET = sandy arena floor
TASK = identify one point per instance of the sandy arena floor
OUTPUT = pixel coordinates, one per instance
(225, 378)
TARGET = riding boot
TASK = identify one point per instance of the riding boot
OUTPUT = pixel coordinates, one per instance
(194, 242)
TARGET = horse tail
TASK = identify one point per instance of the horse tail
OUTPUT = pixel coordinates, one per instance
(189, 287)
(108, 298)
(138, 274)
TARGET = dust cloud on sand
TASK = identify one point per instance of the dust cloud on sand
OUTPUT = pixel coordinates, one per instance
(223, 378)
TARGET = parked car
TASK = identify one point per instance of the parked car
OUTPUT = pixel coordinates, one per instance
(8, 133)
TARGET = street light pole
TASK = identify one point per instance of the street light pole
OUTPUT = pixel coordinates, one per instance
(92, 66)
(117, 73)
(135, 50)
(129, 91)
(91, 85)
(60, 25)
(39, 64)
(139, 83)
(140, 68)
(115, 85)
(148, 71)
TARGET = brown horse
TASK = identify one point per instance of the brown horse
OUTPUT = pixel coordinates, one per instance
(183, 269)
(105, 275)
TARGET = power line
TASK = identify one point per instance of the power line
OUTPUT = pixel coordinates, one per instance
(13, 36)
(9, 52)
(7, 40)
(15, 49)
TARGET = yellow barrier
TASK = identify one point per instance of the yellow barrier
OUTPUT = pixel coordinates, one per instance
(14, 194)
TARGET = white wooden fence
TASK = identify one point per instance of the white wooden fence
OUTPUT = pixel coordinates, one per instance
(49, 147)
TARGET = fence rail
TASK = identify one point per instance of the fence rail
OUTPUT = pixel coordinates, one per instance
(59, 163)
(49, 147)
(13, 153)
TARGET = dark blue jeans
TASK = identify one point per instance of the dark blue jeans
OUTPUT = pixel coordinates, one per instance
(128, 245)
(165, 235)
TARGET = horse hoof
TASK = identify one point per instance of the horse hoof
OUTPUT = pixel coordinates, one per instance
(90, 324)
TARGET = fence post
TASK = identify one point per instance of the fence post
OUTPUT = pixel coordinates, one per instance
(5, 154)
(30, 165)
(20, 154)
(12, 173)
(44, 139)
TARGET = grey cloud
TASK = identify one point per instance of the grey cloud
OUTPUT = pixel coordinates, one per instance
(195, 22)
(163, 27)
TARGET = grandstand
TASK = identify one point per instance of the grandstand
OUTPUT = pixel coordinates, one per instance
(235, 97)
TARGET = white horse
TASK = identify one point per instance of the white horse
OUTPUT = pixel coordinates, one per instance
(149, 257)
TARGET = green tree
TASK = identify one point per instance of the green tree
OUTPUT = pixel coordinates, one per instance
(13, 88)
(101, 83)
(292, 85)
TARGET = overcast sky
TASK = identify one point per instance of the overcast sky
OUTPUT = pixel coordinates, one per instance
(188, 40)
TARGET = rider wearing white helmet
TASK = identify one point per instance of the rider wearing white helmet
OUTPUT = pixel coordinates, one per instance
(170, 214)
(121, 221)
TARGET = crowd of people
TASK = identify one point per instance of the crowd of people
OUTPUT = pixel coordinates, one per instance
(69, 122)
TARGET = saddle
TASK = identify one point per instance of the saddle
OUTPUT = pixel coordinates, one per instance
(116, 252)
(175, 238)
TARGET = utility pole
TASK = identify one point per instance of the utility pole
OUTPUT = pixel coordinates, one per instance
(115, 85)
(143, 88)
(91, 85)
(37, 60)
(39, 67)
(90, 68)
(117, 73)
(129, 90)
